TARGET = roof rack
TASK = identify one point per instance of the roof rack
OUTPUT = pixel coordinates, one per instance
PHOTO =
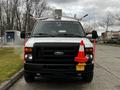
(58, 14)
(57, 17)
(79, 19)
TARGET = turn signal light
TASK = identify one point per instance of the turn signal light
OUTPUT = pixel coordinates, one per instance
(89, 50)
(27, 50)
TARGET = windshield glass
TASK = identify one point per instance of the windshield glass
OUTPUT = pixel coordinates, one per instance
(58, 29)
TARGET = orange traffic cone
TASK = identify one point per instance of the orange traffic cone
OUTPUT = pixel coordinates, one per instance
(81, 58)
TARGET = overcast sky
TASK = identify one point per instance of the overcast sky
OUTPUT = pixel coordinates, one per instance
(95, 8)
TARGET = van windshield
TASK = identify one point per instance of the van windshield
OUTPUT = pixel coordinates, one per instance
(58, 29)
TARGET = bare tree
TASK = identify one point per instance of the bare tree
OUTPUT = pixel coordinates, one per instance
(88, 28)
(107, 21)
(11, 13)
(0, 15)
(0, 19)
(16, 14)
(117, 16)
(33, 8)
(39, 8)
(2, 22)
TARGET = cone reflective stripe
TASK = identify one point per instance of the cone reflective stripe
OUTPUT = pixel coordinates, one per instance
(81, 48)
(81, 54)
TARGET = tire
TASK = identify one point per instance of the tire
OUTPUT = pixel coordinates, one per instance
(87, 77)
(28, 77)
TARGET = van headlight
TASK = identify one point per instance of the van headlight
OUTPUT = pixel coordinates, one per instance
(28, 53)
(28, 57)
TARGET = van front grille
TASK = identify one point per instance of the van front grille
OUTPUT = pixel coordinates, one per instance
(55, 52)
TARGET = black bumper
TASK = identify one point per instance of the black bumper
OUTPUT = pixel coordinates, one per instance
(56, 69)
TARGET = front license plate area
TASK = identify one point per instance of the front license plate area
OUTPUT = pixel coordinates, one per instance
(80, 67)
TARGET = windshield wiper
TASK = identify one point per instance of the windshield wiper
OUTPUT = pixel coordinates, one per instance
(70, 35)
(42, 34)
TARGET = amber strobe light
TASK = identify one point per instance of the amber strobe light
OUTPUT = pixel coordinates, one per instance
(89, 50)
(28, 50)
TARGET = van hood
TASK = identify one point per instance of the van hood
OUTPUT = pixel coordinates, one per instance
(30, 42)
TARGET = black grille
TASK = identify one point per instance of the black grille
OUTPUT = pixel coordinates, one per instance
(46, 52)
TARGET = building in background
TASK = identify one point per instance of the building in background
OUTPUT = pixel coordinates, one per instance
(109, 36)
(12, 37)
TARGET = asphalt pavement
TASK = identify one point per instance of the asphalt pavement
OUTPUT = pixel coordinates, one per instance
(106, 75)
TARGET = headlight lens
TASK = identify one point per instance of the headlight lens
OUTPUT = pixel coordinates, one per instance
(28, 57)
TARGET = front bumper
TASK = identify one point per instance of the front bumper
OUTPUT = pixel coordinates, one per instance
(56, 69)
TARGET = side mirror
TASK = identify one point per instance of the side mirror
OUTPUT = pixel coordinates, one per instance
(22, 34)
(94, 34)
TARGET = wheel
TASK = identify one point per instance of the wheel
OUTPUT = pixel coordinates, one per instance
(87, 77)
(28, 77)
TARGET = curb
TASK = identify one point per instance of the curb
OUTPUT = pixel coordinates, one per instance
(6, 85)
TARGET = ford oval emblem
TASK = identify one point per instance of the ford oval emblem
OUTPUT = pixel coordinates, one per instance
(59, 53)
